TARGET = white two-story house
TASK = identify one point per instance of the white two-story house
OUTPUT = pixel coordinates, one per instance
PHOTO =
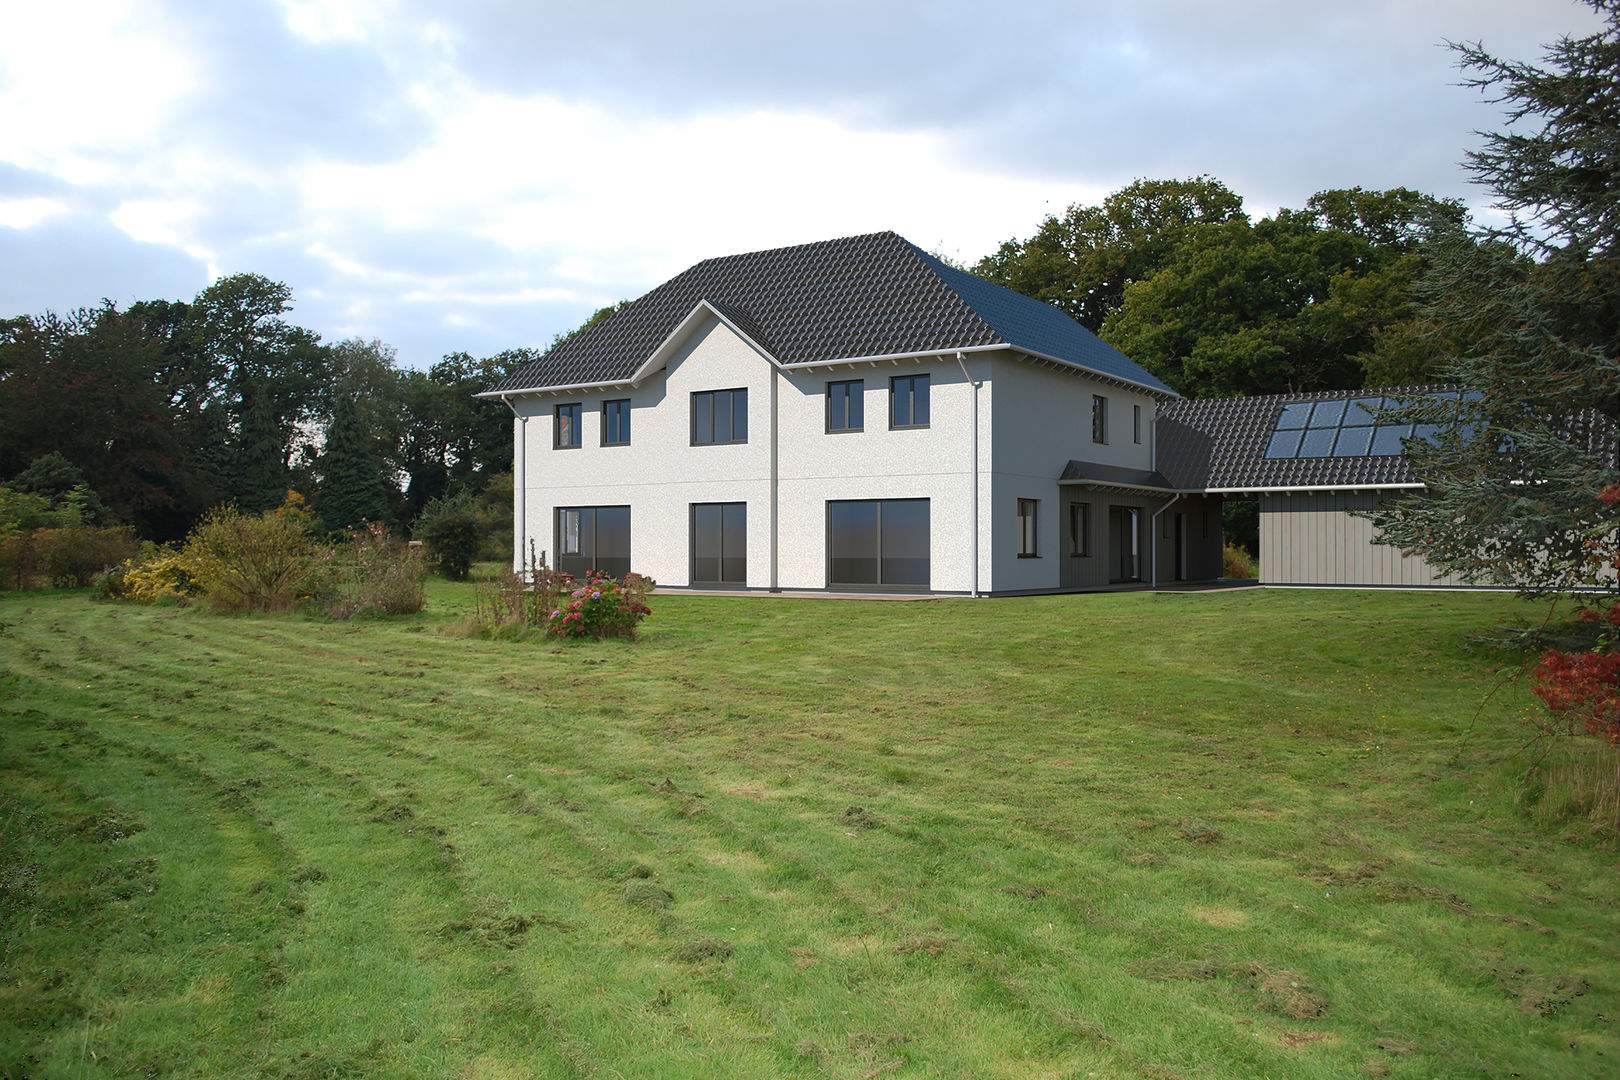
(849, 415)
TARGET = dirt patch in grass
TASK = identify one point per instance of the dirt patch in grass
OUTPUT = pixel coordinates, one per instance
(1281, 991)
(1223, 917)
(1199, 832)
(1028, 892)
(927, 946)
(701, 949)
(858, 817)
(1168, 968)
(646, 894)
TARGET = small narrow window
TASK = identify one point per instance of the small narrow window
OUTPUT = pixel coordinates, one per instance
(1099, 419)
(567, 426)
(1079, 529)
(846, 408)
(719, 416)
(1026, 528)
(1136, 423)
(908, 401)
(616, 423)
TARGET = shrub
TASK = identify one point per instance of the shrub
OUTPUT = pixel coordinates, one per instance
(600, 608)
(65, 557)
(159, 574)
(261, 563)
(452, 532)
(373, 573)
(1236, 562)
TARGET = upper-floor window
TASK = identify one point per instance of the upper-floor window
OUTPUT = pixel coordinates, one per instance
(616, 423)
(908, 401)
(1136, 423)
(1099, 418)
(567, 430)
(719, 416)
(846, 409)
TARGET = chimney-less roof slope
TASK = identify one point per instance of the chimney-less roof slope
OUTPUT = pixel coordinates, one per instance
(861, 296)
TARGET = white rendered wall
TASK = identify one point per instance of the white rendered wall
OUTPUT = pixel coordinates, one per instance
(1042, 422)
(660, 474)
(933, 463)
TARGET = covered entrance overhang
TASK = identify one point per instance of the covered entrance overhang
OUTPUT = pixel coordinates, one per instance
(1125, 527)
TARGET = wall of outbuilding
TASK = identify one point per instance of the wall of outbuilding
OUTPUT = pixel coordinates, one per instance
(1310, 538)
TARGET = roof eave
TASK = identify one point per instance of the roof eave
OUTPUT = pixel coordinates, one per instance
(1304, 489)
(1163, 393)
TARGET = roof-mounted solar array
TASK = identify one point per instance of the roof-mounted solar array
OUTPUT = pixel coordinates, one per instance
(1343, 427)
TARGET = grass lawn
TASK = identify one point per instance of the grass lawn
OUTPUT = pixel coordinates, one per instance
(1245, 834)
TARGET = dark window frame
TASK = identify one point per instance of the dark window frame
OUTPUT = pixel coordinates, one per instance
(576, 422)
(883, 554)
(616, 422)
(731, 398)
(1079, 530)
(911, 398)
(1099, 419)
(854, 406)
(1136, 423)
(595, 530)
(1029, 525)
(721, 559)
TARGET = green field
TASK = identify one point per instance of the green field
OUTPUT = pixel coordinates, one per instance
(1240, 834)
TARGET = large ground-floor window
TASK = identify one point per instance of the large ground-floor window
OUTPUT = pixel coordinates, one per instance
(719, 544)
(878, 542)
(593, 538)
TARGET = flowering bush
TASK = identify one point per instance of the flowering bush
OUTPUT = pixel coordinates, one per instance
(157, 574)
(600, 608)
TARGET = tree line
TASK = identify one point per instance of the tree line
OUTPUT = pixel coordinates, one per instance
(167, 408)
(1176, 275)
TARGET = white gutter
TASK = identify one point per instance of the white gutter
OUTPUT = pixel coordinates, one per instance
(973, 491)
(1305, 488)
(1153, 524)
(519, 483)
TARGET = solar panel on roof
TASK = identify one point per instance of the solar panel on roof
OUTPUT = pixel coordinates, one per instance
(1337, 427)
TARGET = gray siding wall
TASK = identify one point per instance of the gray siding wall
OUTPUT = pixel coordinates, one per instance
(1311, 539)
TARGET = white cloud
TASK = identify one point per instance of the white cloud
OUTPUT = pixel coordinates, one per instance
(83, 77)
(26, 213)
(156, 221)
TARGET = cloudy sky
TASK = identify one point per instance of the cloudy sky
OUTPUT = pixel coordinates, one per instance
(484, 174)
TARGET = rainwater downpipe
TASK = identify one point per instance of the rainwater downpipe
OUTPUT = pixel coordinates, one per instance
(1153, 540)
(973, 494)
(521, 509)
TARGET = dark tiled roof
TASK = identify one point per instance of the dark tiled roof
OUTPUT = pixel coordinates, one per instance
(1090, 472)
(1220, 443)
(873, 295)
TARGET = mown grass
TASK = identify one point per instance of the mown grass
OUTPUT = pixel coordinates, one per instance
(1229, 835)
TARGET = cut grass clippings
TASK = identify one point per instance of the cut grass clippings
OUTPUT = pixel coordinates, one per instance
(1238, 834)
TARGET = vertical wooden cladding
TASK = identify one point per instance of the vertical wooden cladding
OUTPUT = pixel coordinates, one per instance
(1312, 539)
